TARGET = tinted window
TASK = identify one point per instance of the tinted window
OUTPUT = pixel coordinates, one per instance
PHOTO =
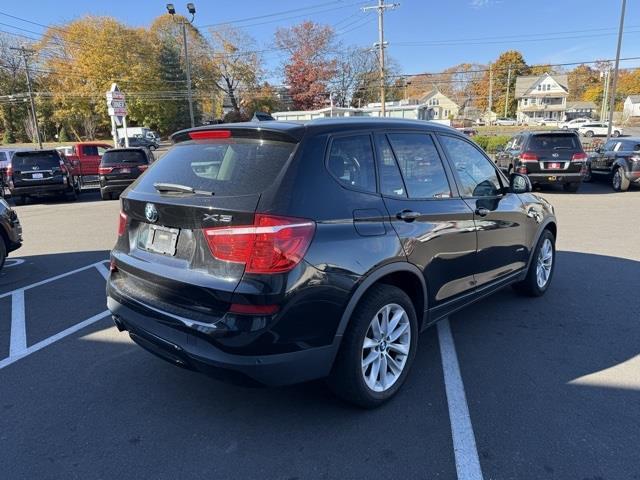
(90, 150)
(609, 146)
(420, 164)
(390, 178)
(35, 161)
(478, 177)
(123, 156)
(351, 161)
(553, 142)
(236, 166)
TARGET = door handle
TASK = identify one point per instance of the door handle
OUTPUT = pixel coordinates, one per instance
(482, 212)
(407, 215)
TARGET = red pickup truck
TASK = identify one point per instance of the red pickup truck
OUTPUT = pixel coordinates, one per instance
(85, 158)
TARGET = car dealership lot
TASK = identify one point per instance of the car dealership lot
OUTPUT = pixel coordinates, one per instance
(552, 384)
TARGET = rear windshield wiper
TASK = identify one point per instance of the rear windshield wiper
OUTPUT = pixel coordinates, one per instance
(562, 148)
(177, 188)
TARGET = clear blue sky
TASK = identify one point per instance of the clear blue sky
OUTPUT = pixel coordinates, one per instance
(545, 31)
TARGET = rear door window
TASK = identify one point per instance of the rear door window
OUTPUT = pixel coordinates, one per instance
(35, 161)
(90, 150)
(554, 142)
(123, 156)
(227, 167)
(351, 162)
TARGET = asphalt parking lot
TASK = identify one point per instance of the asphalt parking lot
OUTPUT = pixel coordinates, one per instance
(552, 385)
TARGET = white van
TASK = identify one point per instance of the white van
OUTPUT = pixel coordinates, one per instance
(143, 132)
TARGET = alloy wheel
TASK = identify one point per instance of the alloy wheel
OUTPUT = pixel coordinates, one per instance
(544, 263)
(617, 179)
(386, 347)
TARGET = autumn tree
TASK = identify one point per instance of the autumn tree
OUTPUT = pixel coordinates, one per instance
(581, 79)
(309, 65)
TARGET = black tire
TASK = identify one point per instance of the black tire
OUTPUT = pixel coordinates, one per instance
(619, 180)
(105, 195)
(588, 133)
(615, 134)
(3, 252)
(19, 199)
(72, 195)
(347, 378)
(571, 187)
(529, 286)
(588, 177)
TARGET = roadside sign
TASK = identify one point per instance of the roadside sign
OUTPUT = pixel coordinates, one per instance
(117, 108)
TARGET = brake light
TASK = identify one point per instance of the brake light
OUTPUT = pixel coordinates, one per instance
(528, 157)
(104, 170)
(122, 224)
(271, 245)
(579, 157)
(63, 167)
(209, 134)
(142, 168)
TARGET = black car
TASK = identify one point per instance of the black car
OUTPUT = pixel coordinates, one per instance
(119, 168)
(38, 173)
(288, 252)
(10, 231)
(140, 142)
(554, 157)
(618, 161)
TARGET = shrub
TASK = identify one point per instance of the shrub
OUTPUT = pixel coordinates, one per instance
(491, 144)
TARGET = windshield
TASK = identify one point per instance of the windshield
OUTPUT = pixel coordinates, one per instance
(225, 167)
(123, 156)
(35, 161)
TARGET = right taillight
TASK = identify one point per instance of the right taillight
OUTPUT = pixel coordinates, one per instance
(272, 244)
(579, 157)
(528, 157)
(104, 170)
(122, 224)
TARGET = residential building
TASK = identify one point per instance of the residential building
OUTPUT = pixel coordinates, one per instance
(440, 107)
(541, 96)
(580, 110)
(403, 109)
(631, 106)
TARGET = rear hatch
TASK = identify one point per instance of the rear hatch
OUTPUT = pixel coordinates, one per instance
(122, 166)
(36, 168)
(163, 256)
(554, 153)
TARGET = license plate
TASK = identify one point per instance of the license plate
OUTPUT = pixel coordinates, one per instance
(37, 175)
(125, 170)
(162, 240)
(554, 166)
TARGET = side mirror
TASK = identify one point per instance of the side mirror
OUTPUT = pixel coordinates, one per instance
(519, 183)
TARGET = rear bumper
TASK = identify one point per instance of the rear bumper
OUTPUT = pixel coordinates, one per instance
(553, 178)
(115, 185)
(189, 351)
(41, 189)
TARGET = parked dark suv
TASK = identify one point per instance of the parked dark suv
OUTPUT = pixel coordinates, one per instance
(119, 168)
(288, 252)
(554, 157)
(10, 231)
(618, 161)
(38, 173)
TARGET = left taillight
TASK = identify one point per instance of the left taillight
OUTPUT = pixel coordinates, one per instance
(142, 168)
(122, 224)
(273, 244)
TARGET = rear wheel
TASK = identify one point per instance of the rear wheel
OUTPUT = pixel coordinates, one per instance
(3, 252)
(588, 176)
(19, 200)
(72, 195)
(615, 133)
(588, 133)
(541, 267)
(619, 180)
(378, 348)
(571, 187)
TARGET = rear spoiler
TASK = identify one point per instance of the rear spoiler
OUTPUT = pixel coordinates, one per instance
(254, 132)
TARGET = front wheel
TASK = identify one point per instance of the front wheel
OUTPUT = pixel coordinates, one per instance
(3, 252)
(615, 133)
(619, 181)
(588, 133)
(541, 268)
(377, 349)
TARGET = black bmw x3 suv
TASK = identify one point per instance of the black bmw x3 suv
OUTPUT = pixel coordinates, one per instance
(287, 252)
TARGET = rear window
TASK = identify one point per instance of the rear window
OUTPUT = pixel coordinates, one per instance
(35, 160)
(124, 156)
(554, 142)
(226, 167)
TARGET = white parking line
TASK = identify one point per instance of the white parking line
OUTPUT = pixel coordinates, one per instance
(18, 339)
(464, 441)
(18, 348)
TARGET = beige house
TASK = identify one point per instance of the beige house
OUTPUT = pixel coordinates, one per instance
(439, 106)
(541, 96)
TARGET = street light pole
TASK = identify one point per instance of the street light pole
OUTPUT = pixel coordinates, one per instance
(612, 100)
(192, 10)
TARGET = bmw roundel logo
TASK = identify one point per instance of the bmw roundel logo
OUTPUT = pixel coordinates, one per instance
(151, 212)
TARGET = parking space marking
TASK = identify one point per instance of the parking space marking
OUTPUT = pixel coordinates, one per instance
(18, 339)
(464, 441)
(13, 262)
(18, 348)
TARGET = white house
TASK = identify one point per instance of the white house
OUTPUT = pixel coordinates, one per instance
(631, 106)
(541, 96)
(401, 109)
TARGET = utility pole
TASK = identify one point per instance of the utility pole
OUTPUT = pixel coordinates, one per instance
(490, 91)
(24, 52)
(612, 100)
(381, 7)
(506, 102)
(605, 94)
(188, 64)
